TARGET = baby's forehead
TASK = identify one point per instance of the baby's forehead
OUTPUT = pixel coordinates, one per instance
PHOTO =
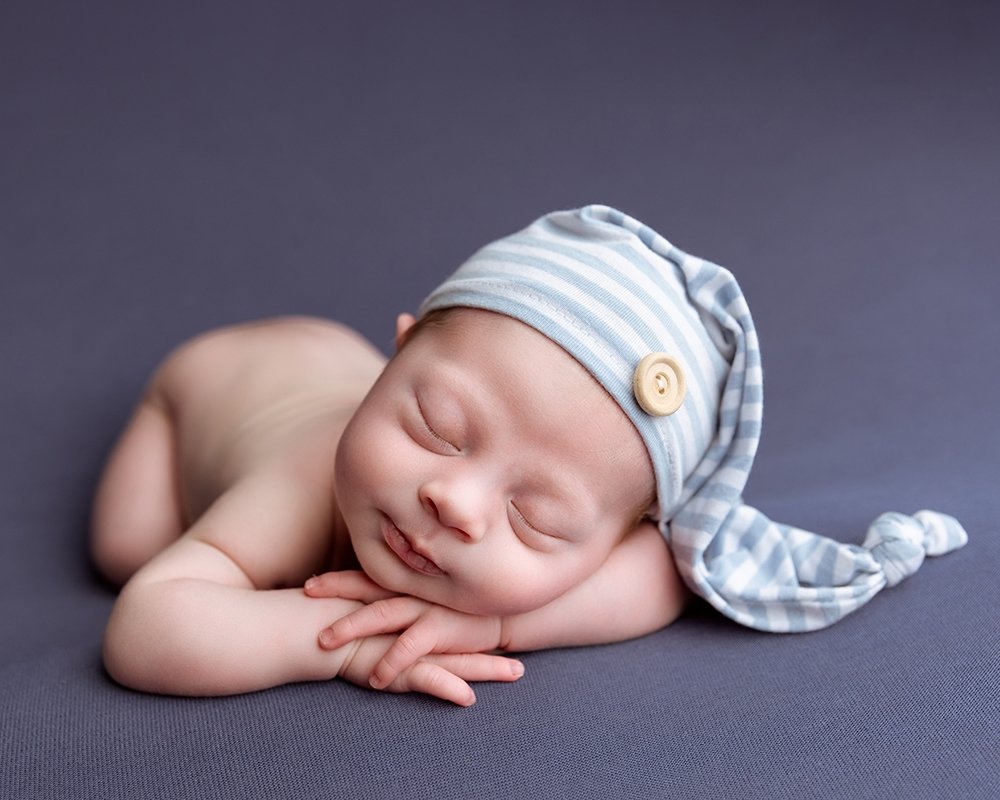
(540, 357)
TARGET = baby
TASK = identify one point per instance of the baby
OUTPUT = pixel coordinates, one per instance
(554, 456)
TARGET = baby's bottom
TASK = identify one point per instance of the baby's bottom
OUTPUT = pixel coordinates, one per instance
(136, 511)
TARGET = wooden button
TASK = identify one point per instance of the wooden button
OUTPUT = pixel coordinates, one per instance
(658, 384)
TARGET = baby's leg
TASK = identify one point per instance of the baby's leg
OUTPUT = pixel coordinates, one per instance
(136, 511)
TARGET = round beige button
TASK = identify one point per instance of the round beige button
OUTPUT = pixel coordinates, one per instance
(658, 384)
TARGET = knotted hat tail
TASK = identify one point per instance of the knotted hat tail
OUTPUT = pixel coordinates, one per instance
(671, 339)
(763, 574)
(779, 578)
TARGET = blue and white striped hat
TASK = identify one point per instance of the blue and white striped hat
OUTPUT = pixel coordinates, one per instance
(670, 337)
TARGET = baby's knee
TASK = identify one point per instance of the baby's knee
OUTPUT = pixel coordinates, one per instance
(118, 560)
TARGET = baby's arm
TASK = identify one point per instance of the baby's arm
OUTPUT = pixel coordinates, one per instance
(192, 623)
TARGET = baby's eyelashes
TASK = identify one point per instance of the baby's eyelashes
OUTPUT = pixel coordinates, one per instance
(521, 521)
(436, 439)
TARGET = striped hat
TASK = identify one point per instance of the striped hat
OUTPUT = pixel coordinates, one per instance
(670, 337)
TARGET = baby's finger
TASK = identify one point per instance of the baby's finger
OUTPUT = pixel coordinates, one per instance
(479, 666)
(382, 616)
(411, 645)
(349, 584)
(437, 681)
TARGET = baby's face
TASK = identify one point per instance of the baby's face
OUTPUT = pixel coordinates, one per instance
(486, 470)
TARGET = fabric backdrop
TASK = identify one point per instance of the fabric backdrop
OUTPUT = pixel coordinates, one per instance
(168, 168)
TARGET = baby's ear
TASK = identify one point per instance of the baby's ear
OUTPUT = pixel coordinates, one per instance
(404, 322)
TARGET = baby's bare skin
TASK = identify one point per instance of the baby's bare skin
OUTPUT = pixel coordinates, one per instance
(262, 401)
(299, 381)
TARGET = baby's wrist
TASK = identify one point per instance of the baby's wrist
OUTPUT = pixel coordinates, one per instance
(348, 653)
(503, 638)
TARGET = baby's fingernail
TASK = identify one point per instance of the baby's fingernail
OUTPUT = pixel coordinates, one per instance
(312, 583)
(470, 699)
(326, 637)
(375, 682)
(517, 669)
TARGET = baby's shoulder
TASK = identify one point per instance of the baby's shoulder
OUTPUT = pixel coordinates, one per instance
(282, 348)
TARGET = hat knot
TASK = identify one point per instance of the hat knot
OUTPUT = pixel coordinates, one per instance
(899, 542)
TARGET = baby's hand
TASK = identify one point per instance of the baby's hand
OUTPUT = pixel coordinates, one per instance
(426, 628)
(444, 676)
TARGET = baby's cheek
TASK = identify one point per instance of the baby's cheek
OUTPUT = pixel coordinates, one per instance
(511, 590)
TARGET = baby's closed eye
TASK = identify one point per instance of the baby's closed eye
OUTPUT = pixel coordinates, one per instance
(526, 527)
(432, 436)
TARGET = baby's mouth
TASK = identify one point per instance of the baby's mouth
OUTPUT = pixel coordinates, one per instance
(401, 546)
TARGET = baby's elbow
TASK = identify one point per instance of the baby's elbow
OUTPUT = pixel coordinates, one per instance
(126, 664)
(121, 663)
(148, 642)
(672, 605)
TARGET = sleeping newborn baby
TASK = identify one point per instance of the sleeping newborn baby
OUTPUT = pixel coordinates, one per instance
(554, 456)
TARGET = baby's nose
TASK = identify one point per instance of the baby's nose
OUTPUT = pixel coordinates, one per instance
(457, 507)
